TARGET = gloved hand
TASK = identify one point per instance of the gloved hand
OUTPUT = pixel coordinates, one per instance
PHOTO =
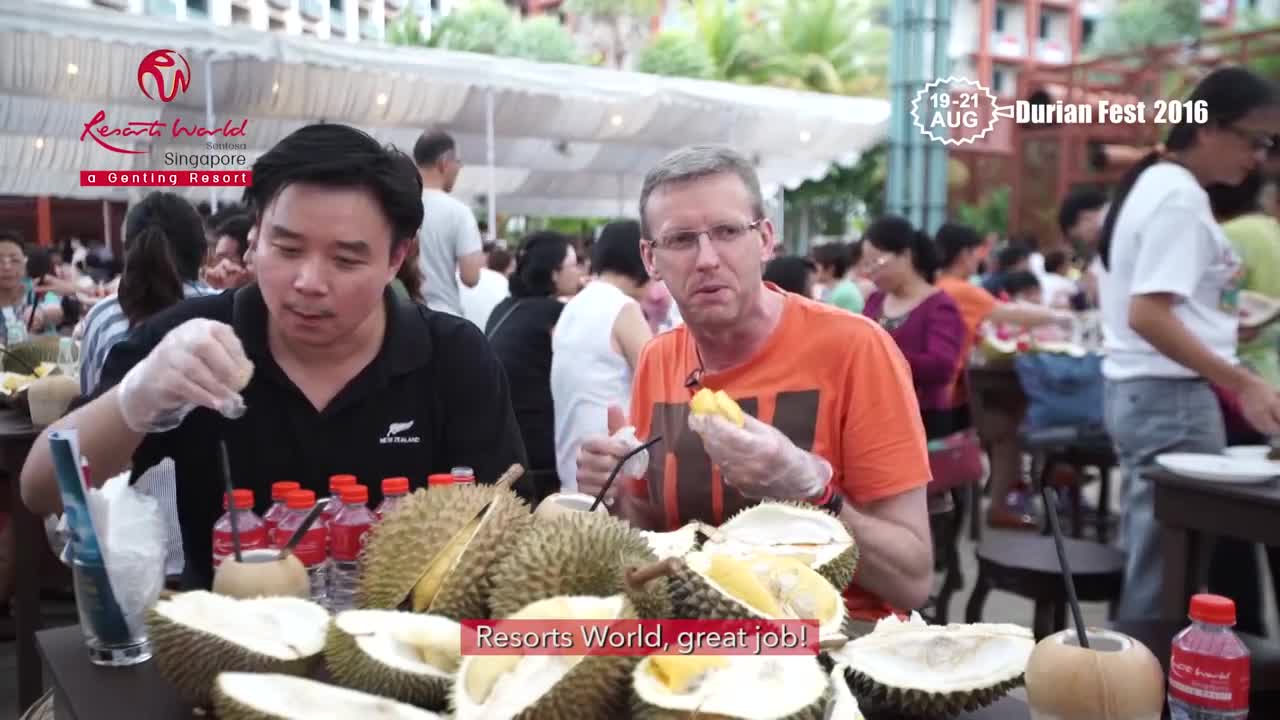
(758, 460)
(200, 363)
(637, 465)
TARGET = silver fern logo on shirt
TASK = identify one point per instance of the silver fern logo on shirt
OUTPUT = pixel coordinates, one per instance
(395, 434)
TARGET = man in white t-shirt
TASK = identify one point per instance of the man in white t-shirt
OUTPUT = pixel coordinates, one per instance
(478, 302)
(451, 250)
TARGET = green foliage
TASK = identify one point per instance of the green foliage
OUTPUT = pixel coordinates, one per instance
(480, 26)
(678, 54)
(989, 215)
(541, 38)
(836, 202)
(406, 29)
(1138, 24)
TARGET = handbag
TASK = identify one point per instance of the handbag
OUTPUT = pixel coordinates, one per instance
(1062, 390)
(955, 461)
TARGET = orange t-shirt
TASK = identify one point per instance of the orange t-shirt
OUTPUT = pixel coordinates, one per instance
(975, 305)
(833, 382)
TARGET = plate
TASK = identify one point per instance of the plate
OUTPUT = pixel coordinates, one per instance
(1249, 452)
(1219, 468)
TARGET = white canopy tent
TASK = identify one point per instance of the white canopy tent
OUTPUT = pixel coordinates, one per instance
(536, 138)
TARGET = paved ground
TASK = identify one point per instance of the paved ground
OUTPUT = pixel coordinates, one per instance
(1000, 607)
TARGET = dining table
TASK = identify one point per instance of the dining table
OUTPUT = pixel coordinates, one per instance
(84, 691)
(1190, 511)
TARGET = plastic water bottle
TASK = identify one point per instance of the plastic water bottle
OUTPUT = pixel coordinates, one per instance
(1209, 664)
(312, 549)
(347, 534)
(336, 483)
(463, 474)
(394, 492)
(253, 531)
(279, 491)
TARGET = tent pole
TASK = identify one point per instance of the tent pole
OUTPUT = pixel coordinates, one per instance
(209, 122)
(489, 152)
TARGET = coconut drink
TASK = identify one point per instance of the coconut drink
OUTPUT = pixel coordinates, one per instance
(262, 573)
(1115, 678)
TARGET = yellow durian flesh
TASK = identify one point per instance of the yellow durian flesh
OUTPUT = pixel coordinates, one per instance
(716, 402)
(729, 409)
(703, 402)
(680, 674)
(759, 585)
(427, 588)
(434, 645)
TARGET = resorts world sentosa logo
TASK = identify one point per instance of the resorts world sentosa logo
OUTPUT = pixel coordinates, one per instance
(168, 72)
(163, 75)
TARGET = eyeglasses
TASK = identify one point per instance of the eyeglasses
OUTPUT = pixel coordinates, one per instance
(722, 234)
(870, 266)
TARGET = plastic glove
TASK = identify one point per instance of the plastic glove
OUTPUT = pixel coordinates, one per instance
(637, 465)
(759, 461)
(200, 363)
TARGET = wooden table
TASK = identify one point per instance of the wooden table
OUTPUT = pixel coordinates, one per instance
(17, 435)
(84, 691)
(1187, 509)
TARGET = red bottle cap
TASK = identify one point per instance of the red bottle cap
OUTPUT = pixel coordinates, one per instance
(280, 490)
(440, 479)
(354, 494)
(243, 499)
(301, 499)
(395, 485)
(337, 481)
(1214, 609)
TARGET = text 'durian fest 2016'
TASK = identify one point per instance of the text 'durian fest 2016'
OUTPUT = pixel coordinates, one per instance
(165, 178)
(640, 637)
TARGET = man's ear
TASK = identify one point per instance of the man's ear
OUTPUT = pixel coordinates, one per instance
(399, 252)
(646, 255)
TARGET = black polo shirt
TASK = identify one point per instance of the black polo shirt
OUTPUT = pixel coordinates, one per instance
(433, 398)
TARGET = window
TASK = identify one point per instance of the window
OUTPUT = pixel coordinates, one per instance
(198, 8)
(998, 79)
(1045, 24)
(1087, 26)
(999, 18)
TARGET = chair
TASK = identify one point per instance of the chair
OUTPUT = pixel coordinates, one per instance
(1078, 447)
(957, 476)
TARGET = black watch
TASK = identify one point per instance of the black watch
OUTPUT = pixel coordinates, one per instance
(835, 504)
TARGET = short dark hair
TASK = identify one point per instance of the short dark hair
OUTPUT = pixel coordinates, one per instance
(431, 146)
(1079, 201)
(499, 259)
(1010, 256)
(15, 237)
(790, 272)
(833, 255)
(895, 234)
(1055, 261)
(1016, 282)
(334, 155)
(540, 255)
(618, 250)
(953, 239)
(237, 228)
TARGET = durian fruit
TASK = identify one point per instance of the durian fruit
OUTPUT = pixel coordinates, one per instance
(576, 554)
(774, 587)
(676, 543)
(844, 706)
(745, 687)
(434, 553)
(196, 635)
(401, 655)
(255, 696)
(812, 535)
(544, 686)
(717, 402)
(920, 670)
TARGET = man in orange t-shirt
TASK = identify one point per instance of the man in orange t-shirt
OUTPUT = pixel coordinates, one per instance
(831, 412)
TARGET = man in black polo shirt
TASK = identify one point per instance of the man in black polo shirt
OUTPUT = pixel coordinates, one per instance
(342, 376)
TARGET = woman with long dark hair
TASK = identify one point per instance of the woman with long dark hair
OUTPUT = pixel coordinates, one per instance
(164, 249)
(1169, 308)
(519, 330)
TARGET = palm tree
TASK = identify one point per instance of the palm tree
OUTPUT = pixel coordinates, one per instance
(832, 46)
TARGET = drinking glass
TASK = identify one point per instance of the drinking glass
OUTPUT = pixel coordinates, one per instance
(112, 638)
(69, 356)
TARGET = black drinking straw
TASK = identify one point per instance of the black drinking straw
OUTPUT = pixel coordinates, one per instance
(1051, 510)
(231, 500)
(618, 468)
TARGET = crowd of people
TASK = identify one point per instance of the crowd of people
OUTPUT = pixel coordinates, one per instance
(350, 317)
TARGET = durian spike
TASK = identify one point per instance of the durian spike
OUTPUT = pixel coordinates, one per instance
(508, 478)
(638, 577)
